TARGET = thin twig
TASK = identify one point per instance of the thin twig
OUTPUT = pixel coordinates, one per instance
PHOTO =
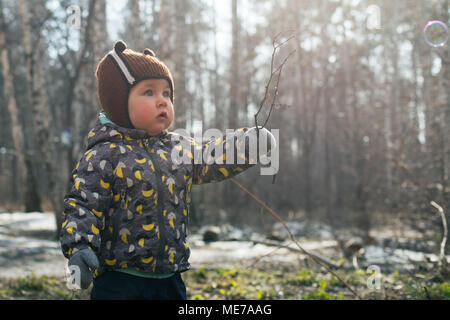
(263, 256)
(272, 73)
(266, 93)
(426, 293)
(276, 88)
(293, 249)
(273, 213)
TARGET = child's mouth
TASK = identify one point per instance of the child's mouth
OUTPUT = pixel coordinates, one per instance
(162, 116)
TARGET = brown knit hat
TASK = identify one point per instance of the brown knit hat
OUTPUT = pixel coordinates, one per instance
(119, 71)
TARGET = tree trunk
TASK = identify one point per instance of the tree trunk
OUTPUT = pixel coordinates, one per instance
(180, 64)
(218, 106)
(135, 27)
(37, 97)
(233, 112)
(16, 127)
(164, 24)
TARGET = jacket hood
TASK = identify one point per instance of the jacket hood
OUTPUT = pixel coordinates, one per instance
(112, 133)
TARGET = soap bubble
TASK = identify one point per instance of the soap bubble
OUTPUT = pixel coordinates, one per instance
(436, 33)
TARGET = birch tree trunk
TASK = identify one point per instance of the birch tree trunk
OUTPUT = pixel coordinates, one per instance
(16, 127)
(133, 33)
(37, 97)
(218, 106)
(164, 30)
(180, 55)
(233, 111)
(445, 76)
(99, 35)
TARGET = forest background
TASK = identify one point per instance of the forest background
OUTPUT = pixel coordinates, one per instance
(363, 103)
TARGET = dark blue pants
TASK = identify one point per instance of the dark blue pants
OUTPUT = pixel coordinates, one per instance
(113, 285)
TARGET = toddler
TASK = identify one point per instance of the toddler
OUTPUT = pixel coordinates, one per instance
(126, 215)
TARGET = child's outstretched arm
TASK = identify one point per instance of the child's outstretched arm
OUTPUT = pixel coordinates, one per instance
(229, 155)
(86, 204)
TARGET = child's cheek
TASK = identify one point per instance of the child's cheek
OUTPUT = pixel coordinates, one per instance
(172, 115)
(141, 115)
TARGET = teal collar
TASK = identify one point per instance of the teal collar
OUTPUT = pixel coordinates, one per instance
(104, 119)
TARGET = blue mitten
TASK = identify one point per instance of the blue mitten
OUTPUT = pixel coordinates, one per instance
(87, 262)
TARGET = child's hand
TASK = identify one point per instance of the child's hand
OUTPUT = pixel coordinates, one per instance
(87, 262)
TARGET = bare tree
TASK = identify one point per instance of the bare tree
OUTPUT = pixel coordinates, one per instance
(164, 24)
(134, 28)
(16, 127)
(180, 61)
(233, 110)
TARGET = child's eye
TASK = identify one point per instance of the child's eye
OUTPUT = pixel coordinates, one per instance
(148, 93)
(166, 94)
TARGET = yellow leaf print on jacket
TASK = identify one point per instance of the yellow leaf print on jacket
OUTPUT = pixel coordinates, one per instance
(147, 193)
(78, 181)
(147, 260)
(170, 182)
(171, 217)
(92, 153)
(151, 165)
(124, 233)
(162, 155)
(110, 262)
(224, 171)
(148, 227)
(104, 184)
(95, 230)
(172, 252)
(118, 170)
(141, 161)
(137, 174)
(97, 213)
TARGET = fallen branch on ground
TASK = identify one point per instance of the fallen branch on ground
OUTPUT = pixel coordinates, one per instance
(279, 246)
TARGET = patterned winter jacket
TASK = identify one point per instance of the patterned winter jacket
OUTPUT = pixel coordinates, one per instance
(129, 201)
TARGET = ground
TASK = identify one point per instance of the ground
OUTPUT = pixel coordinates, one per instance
(32, 266)
(257, 283)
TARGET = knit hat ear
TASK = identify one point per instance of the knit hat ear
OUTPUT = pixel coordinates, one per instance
(120, 46)
(149, 52)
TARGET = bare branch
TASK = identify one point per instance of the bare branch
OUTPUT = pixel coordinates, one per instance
(272, 73)
(272, 105)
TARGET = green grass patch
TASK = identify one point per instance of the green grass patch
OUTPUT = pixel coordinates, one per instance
(264, 283)
(33, 287)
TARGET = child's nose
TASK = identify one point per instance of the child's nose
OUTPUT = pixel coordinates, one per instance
(161, 100)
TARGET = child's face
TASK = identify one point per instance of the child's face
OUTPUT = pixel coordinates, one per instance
(150, 107)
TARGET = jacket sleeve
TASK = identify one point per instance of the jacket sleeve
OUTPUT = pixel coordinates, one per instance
(86, 203)
(227, 156)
